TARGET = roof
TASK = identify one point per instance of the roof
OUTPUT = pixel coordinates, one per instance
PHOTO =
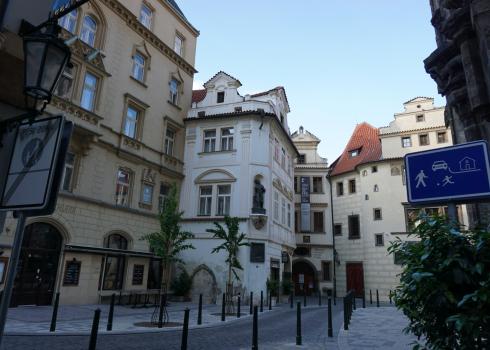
(277, 88)
(364, 138)
(173, 4)
(419, 98)
(198, 95)
(222, 73)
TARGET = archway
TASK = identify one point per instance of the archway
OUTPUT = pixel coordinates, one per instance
(203, 282)
(304, 278)
(35, 282)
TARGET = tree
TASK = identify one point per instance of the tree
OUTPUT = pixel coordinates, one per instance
(445, 285)
(169, 241)
(233, 240)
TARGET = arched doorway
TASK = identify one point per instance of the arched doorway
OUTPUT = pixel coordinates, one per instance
(35, 281)
(304, 278)
(203, 282)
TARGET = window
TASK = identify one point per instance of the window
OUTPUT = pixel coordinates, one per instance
(337, 229)
(276, 206)
(374, 169)
(174, 91)
(146, 16)
(64, 88)
(179, 45)
(224, 200)
(302, 159)
(317, 184)
(89, 30)
(377, 214)
(147, 194)
(131, 122)
(283, 211)
(114, 266)
(220, 97)
(352, 186)
(441, 137)
(227, 139)
(283, 158)
(376, 188)
(289, 214)
(424, 139)
(354, 229)
(318, 222)
(169, 142)
(420, 118)
(69, 21)
(205, 199)
(326, 274)
(139, 66)
(68, 173)
(406, 142)
(354, 153)
(379, 240)
(257, 252)
(162, 196)
(89, 92)
(123, 187)
(209, 140)
(340, 189)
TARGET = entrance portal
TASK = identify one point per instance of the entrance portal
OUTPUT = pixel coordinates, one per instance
(38, 265)
(355, 278)
(304, 278)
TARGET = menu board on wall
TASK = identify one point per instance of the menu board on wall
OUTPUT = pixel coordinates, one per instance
(72, 273)
(138, 273)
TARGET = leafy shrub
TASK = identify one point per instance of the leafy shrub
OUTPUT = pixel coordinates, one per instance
(182, 284)
(287, 286)
(272, 286)
(445, 285)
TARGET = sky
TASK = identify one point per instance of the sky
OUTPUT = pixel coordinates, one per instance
(341, 62)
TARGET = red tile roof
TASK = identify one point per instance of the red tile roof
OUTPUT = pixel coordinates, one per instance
(364, 138)
(198, 95)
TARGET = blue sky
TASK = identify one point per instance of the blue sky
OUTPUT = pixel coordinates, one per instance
(341, 62)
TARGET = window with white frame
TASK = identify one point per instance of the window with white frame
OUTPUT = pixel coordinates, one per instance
(162, 196)
(205, 200)
(276, 205)
(174, 91)
(283, 211)
(179, 44)
(89, 92)
(224, 200)
(69, 21)
(209, 140)
(88, 31)
(227, 139)
(139, 63)
(147, 194)
(169, 142)
(146, 15)
(123, 187)
(69, 172)
(406, 142)
(131, 122)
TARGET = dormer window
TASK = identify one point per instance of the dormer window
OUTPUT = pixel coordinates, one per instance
(221, 97)
(354, 152)
(302, 159)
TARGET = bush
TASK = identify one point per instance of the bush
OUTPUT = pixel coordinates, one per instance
(182, 285)
(287, 286)
(272, 286)
(445, 285)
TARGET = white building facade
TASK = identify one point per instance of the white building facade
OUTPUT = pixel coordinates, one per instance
(237, 146)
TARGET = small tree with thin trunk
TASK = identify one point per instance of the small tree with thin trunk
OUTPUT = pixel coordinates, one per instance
(233, 240)
(168, 242)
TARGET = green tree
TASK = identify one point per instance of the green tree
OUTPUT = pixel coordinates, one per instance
(232, 241)
(170, 240)
(445, 285)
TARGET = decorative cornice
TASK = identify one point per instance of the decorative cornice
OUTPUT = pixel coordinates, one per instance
(132, 22)
(76, 111)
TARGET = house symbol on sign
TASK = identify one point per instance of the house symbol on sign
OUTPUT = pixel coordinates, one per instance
(467, 163)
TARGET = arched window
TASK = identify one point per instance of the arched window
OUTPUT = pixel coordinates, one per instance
(116, 241)
(376, 188)
(115, 264)
(69, 21)
(89, 30)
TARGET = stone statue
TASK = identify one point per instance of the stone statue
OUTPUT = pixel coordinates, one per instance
(258, 199)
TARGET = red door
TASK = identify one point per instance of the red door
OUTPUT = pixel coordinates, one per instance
(355, 278)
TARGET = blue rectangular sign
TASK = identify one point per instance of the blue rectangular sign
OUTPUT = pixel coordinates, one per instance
(449, 174)
(62, 7)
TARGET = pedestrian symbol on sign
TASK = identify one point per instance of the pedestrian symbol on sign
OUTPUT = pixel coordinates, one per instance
(421, 179)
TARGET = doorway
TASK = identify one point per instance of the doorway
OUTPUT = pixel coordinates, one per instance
(355, 278)
(38, 265)
(304, 278)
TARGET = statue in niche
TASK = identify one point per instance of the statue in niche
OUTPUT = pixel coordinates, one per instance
(258, 199)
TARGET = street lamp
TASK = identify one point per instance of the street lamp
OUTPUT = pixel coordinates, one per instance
(46, 56)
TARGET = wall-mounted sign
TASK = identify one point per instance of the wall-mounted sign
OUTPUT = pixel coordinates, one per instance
(305, 204)
(72, 273)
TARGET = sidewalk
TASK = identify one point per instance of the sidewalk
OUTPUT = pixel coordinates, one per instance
(376, 328)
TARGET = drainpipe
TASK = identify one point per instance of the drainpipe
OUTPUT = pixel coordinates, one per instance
(333, 238)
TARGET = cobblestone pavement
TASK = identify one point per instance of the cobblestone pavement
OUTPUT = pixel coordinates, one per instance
(376, 328)
(277, 330)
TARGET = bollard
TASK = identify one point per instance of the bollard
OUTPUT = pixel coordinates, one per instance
(223, 305)
(270, 301)
(160, 316)
(389, 295)
(298, 324)
(251, 303)
(377, 298)
(304, 298)
(346, 317)
(120, 297)
(185, 330)
(111, 312)
(319, 298)
(54, 317)
(354, 301)
(292, 299)
(199, 310)
(363, 299)
(129, 299)
(370, 297)
(261, 301)
(95, 330)
(255, 330)
(330, 326)
(239, 306)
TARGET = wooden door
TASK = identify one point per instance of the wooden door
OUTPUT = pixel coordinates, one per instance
(355, 278)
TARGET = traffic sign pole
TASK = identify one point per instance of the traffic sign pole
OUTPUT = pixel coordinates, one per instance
(452, 212)
(9, 283)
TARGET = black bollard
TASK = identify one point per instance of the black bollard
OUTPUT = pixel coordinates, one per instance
(370, 297)
(319, 298)
(255, 330)
(304, 298)
(363, 299)
(199, 310)
(120, 297)
(330, 326)
(185, 330)
(354, 301)
(261, 301)
(292, 300)
(54, 317)
(389, 295)
(223, 306)
(251, 303)
(377, 298)
(160, 316)
(239, 306)
(298, 324)
(111, 313)
(95, 330)
(346, 316)
(270, 301)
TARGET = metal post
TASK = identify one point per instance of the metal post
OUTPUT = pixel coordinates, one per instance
(160, 315)
(111, 313)
(330, 326)
(54, 317)
(270, 300)
(255, 330)
(261, 301)
(12, 270)
(292, 299)
(370, 297)
(251, 303)
(363, 299)
(239, 306)
(377, 298)
(389, 295)
(199, 311)
(95, 330)
(223, 305)
(298, 324)
(304, 298)
(319, 298)
(185, 330)
(346, 317)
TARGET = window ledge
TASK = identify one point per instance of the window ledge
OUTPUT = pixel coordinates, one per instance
(215, 152)
(142, 83)
(173, 104)
(144, 205)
